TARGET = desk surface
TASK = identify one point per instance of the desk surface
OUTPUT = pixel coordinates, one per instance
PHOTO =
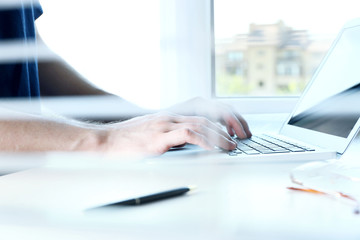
(233, 201)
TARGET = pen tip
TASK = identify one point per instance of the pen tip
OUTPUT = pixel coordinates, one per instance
(192, 187)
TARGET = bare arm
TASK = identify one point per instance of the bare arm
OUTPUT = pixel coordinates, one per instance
(149, 134)
(29, 133)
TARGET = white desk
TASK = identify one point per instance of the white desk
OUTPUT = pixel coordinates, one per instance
(233, 201)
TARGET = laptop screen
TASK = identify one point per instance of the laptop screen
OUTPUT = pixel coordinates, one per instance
(331, 104)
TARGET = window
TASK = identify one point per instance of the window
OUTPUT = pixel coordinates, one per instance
(282, 43)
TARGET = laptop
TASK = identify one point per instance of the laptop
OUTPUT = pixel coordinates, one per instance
(326, 118)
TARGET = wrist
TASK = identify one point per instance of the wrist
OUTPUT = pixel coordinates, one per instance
(92, 140)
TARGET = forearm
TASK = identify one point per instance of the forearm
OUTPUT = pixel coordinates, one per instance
(40, 134)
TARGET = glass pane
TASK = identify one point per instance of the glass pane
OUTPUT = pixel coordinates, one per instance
(272, 48)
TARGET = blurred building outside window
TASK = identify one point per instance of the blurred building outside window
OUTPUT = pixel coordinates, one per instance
(281, 44)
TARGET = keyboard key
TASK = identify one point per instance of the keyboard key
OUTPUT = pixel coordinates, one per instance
(267, 151)
(261, 149)
(280, 149)
(243, 147)
(295, 149)
(235, 152)
(252, 152)
(232, 153)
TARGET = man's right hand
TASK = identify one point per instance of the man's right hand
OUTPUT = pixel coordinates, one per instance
(156, 133)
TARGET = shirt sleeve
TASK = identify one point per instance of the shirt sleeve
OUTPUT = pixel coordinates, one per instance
(38, 11)
(17, 25)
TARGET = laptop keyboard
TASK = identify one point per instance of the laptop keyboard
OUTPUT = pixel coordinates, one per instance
(266, 144)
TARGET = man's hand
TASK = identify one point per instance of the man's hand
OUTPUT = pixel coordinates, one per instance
(157, 133)
(217, 112)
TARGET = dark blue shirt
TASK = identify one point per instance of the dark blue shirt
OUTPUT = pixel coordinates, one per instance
(20, 78)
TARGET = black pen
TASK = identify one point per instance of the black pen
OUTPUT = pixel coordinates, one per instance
(152, 197)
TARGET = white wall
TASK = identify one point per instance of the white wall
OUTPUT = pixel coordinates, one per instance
(113, 43)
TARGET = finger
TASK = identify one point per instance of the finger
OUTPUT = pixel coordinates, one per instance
(203, 129)
(202, 133)
(183, 136)
(219, 140)
(229, 130)
(232, 122)
(245, 125)
(198, 122)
